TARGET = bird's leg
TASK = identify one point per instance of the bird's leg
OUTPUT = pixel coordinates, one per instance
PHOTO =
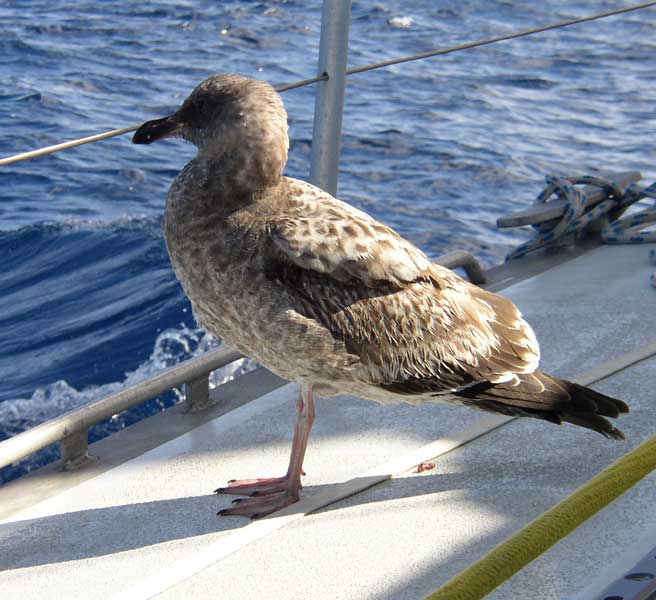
(271, 494)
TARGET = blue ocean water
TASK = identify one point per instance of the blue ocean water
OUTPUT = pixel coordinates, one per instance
(438, 149)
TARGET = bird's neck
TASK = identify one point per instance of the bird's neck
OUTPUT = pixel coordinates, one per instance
(211, 189)
(245, 159)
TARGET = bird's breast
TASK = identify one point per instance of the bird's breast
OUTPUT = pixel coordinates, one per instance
(224, 276)
(225, 262)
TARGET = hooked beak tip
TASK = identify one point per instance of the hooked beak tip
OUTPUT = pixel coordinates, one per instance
(158, 129)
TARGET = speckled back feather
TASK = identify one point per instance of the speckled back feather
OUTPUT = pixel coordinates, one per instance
(411, 322)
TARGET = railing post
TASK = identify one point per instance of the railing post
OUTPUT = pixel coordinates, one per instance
(74, 450)
(197, 393)
(329, 102)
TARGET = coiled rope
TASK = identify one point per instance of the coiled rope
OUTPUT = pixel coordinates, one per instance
(578, 215)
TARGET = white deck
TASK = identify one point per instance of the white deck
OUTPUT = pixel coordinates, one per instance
(148, 526)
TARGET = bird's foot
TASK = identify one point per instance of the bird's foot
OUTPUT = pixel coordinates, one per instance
(267, 495)
(260, 506)
(272, 494)
(255, 487)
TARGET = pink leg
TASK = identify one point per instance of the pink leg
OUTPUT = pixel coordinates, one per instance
(271, 494)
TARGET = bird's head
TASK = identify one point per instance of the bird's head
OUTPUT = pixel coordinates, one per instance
(237, 122)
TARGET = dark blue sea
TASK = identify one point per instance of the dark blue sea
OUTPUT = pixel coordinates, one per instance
(438, 149)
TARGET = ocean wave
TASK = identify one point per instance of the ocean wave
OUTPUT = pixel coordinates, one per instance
(83, 301)
(145, 223)
(171, 347)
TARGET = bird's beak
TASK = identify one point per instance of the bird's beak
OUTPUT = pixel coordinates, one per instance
(151, 131)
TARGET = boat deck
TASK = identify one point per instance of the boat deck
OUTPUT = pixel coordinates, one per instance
(377, 529)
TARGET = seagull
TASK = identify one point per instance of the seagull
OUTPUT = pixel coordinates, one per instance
(323, 294)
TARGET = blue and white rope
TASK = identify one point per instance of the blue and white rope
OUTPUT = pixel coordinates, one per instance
(575, 217)
(625, 231)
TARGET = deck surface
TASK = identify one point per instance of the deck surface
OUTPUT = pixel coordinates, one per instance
(148, 528)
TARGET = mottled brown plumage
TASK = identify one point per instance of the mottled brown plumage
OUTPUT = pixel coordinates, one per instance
(323, 294)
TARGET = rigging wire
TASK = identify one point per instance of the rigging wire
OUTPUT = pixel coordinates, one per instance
(500, 38)
(370, 67)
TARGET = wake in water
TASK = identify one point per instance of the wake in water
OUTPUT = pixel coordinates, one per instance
(172, 346)
(90, 307)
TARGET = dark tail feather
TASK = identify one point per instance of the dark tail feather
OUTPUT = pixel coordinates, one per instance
(546, 397)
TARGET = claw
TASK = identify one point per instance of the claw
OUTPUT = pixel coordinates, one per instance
(256, 487)
(256, 508)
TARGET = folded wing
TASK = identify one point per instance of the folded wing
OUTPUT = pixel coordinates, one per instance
(417, 327)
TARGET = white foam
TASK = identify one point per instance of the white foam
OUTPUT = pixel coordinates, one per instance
(401, 22)
(171, 347)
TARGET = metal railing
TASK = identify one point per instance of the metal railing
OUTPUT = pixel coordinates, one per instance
(71, 429)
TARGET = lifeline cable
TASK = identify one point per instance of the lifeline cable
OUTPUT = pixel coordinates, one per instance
(324, 76)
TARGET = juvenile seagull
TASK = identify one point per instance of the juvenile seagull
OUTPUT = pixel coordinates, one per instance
(323, 294)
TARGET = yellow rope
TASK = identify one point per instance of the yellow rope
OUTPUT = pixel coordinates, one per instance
(538, 536)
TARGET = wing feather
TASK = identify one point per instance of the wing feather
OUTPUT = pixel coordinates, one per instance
(416, 326)
(332, 237)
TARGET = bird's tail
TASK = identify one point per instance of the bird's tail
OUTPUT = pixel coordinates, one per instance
(544, 396)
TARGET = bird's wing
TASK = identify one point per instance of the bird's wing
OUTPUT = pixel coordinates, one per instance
(417, 326)
(325, 235)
